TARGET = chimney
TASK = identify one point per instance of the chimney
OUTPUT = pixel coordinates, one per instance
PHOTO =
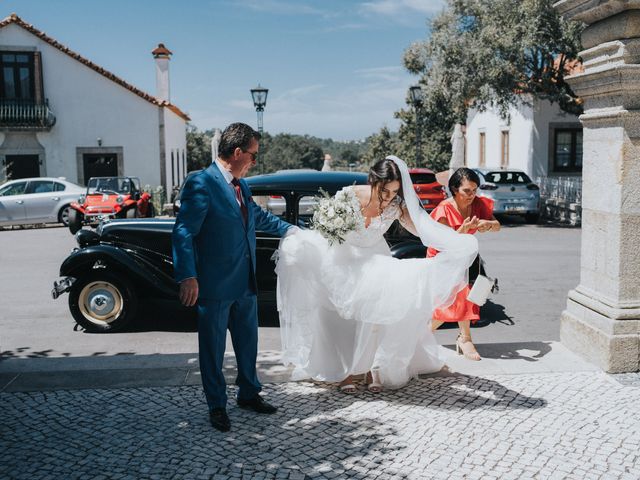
(162, 55)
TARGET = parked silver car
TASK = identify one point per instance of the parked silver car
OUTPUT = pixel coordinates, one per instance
(512, 191)
(37, 200)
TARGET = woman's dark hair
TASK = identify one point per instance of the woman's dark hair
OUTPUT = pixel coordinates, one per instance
(236, 135)
(459, 176)
(383, 172)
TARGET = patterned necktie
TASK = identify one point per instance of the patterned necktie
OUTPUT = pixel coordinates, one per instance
(243, 207)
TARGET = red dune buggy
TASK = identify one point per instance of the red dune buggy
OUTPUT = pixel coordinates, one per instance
(110, 197)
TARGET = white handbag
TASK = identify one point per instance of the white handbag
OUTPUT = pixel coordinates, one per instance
(481, 288)
(480, 291)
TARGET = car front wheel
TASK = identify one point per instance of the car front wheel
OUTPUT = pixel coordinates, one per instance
(74, 221)
(103, 302)
(63, 215)
(132, 212)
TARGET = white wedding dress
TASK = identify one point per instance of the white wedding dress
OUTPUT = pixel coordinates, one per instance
(349, 308)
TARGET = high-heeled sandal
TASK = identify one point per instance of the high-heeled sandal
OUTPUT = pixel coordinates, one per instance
(349, 388)
(464, 346)
(373, 382)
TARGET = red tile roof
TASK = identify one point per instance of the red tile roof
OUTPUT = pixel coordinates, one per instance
(161, 51)
(13, 18)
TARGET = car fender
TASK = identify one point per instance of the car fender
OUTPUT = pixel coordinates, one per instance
(77, 206)
(141, 272)
(409, 250)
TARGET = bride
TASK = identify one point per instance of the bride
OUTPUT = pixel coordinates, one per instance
(352, 308)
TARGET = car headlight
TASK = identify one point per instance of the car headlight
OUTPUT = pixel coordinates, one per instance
(119, 199)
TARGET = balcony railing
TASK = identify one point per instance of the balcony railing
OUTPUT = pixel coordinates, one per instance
(26, 115)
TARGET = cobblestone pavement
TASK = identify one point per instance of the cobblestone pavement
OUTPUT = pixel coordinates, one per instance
(556, 425)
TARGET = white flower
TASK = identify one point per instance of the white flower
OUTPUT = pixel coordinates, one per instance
(334, 217)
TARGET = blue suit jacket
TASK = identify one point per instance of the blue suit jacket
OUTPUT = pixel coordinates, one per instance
(211, 241)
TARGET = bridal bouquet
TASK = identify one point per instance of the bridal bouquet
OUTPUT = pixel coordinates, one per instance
(336, 216)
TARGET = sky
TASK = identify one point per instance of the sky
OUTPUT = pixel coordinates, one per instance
(333, 67)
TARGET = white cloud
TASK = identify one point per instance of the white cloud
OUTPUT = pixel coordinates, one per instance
(281, 7)
(402, 11)
(398, 7)
(385, 74)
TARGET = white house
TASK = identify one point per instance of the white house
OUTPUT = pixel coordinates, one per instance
(537, 137)
(63, 116)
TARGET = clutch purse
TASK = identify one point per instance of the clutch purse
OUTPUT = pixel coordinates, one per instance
(481, 289)
(482, 286)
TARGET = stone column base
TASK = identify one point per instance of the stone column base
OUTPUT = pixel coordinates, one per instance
(611, 344)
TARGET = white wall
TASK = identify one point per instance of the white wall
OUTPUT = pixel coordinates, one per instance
(519, 125)
(176, 143)
(528, 127)
(87, 106)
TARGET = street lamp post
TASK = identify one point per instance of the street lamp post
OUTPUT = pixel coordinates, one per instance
(259, 95)
(415, 93)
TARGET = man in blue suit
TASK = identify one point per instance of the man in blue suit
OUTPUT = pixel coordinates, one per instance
(214, 258)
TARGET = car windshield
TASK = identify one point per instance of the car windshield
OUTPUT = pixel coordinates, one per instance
(507, 177)
(111, 185)
(422, 177)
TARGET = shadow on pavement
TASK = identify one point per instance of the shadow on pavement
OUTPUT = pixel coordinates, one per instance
(513, 351)
(492, 312)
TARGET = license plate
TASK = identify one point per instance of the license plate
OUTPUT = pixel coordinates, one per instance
(514, 208)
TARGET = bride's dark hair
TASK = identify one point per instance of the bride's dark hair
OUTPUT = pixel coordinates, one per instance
(383, 172)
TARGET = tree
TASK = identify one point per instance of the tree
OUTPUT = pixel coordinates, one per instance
(279, 152)
(485, 53)
(198, 148)
(380, 145)
(349, 157)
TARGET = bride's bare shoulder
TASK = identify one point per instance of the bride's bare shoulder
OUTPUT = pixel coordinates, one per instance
(361, 192)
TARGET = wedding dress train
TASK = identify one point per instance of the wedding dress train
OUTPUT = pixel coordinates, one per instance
(349, 308)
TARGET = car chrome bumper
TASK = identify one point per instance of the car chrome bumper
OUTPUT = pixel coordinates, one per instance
(61, 286)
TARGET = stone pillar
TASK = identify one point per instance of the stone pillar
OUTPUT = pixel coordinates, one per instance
(602, 319)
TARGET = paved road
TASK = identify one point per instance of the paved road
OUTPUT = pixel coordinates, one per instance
(528, 426)
(536, 267)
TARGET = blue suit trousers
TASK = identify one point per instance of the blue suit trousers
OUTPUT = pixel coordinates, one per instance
(240, 317)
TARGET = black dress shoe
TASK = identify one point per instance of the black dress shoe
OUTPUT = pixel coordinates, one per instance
(219, 419)
(257, 404)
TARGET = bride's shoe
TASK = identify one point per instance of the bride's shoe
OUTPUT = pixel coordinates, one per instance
(464, 346)
(373, 382)
(347, 386)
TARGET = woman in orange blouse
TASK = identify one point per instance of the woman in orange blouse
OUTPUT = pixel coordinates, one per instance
(466, 213)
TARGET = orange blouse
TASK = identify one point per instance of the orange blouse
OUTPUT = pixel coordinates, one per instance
(461, 309)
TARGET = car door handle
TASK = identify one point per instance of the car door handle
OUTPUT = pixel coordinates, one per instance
(19, 202)
(55, 199)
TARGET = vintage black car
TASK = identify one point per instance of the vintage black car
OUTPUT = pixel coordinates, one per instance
(124, 261)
